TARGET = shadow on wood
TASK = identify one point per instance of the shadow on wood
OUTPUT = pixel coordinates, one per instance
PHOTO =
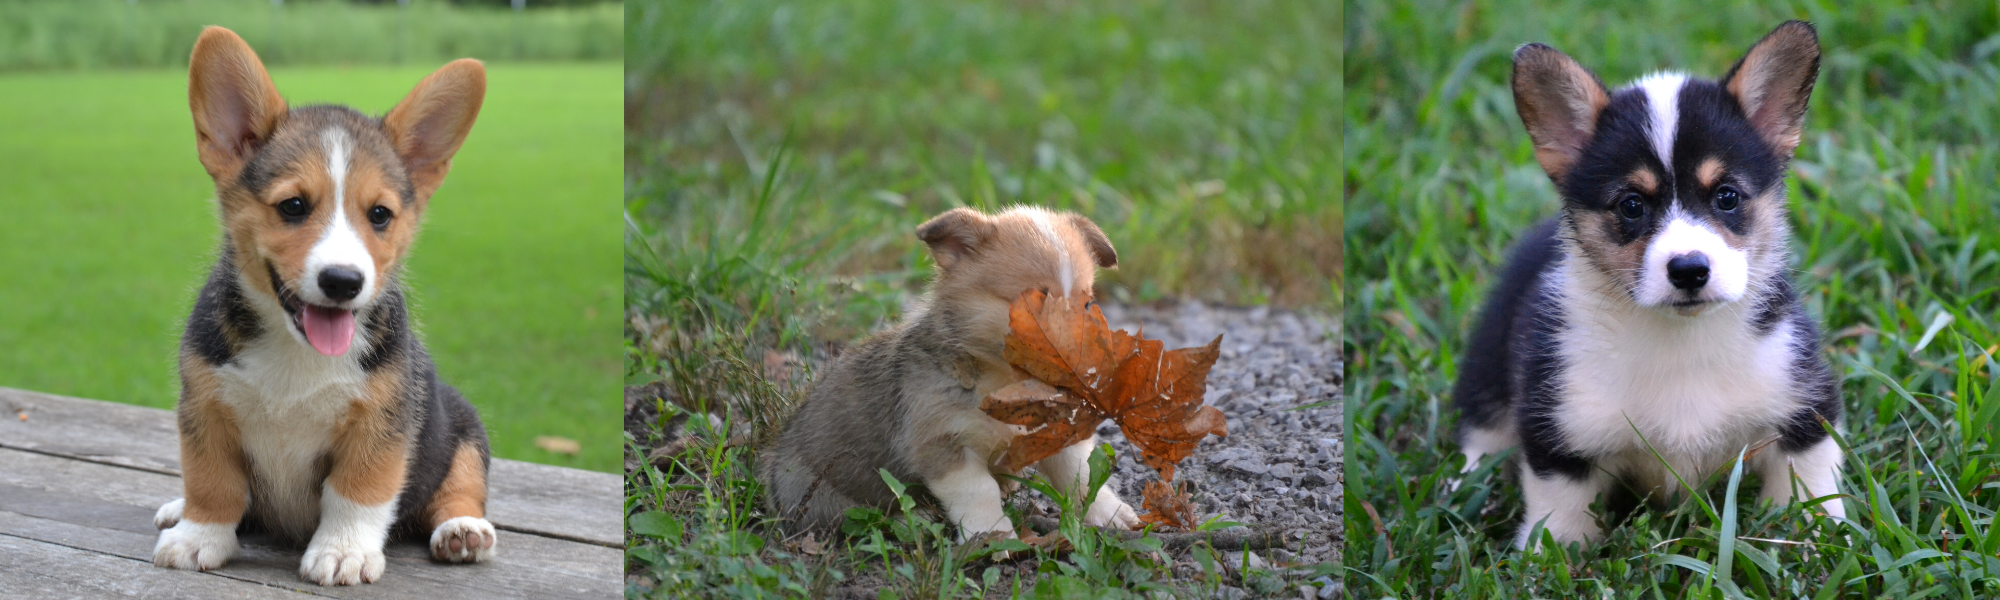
(80, 479)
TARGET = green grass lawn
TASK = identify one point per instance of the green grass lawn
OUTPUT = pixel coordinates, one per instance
(782, 154)
(111, 228)
(129, 34)
(1895, 203)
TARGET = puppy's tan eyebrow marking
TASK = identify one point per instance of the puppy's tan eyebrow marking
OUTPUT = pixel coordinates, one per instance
(1645, 180)
(1709, 173)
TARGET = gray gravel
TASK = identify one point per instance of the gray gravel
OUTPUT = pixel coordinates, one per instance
(1279, 465)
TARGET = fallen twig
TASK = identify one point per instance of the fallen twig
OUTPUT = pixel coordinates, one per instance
(1260, 537)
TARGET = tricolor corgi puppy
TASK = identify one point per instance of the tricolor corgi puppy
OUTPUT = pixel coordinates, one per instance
(308, 407)
(907, 399)
(1654, 313)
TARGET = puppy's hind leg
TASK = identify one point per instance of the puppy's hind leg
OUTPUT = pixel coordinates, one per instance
(456, 516)
(971, 498)
(1069, 469)
(1560, 503)
(1478, 442)
(1817, 469)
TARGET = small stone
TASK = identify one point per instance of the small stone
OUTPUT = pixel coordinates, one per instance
(1249, 467)
(1228, 454)
(1235, 561)
(1316, 478)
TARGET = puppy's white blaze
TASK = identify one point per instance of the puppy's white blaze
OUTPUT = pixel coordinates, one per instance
(340, 245)
(971, 497)
(1564, 503)
(1728, 268)
(1065, 271)
(347, 547)
(1663, 91)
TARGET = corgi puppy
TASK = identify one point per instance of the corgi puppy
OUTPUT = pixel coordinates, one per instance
(1654, 313)
(907, 399)
(308, 407)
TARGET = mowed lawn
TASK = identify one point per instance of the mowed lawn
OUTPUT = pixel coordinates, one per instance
(110, 226)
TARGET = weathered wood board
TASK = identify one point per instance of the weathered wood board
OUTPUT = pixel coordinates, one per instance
(80, 480)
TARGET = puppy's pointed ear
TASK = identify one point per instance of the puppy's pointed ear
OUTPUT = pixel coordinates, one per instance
(1558, 101)
(1774, 81)
(956, 235)
(1101, 251)
(236, 108)
(430, 123)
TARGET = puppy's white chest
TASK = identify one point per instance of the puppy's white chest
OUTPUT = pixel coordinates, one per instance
(287, 404)
(1692, 389)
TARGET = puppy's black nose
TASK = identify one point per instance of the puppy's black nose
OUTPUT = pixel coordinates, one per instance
(343, 284)
(1688, 271)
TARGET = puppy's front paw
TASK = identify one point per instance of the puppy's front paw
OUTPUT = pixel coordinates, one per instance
(1109, 511)
(169, 514)
(985, 537)
(194, 546)
(463, 539)
(341, 562)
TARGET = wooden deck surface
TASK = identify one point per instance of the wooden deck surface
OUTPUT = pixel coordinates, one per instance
(80, 480)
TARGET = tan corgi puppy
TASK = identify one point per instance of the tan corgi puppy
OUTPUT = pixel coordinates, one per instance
(308, 407)
(907, 399)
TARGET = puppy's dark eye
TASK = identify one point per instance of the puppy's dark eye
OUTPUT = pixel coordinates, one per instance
(293, 208)
(1727, 198)
(379, 215)
(1630, 207)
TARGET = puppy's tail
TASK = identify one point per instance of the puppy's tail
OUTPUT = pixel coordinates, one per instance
(801, 496)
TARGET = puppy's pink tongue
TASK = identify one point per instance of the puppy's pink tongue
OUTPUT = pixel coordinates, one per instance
(329, 329)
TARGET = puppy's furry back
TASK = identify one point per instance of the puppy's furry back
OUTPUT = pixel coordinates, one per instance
(877, 406)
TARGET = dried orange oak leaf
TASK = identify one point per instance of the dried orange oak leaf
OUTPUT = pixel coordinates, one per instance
(1167, 504)
(1085, 372)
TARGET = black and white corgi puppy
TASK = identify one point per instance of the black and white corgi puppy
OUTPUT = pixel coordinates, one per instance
(308, 407)
(1654, 313)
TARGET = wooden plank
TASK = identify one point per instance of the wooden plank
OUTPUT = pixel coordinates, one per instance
(107, 432)
(570, 504)
(66, 502)
(557, 502)
(36, 569)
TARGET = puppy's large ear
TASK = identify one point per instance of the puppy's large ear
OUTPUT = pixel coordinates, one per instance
(430, 123)
(235, 106)
(1558, 101)
(1101, 251)
(1774, 80)
(955, 235)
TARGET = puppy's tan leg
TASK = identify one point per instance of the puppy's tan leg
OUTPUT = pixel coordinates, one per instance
(358, 501)
(457, 513)
(1069, 469)
(199, 531)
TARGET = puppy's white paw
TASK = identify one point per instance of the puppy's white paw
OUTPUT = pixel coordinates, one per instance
(991, 536)
(463, 539)
(1001, 528)
(1110, 511)
(194, 546)
(341, 562)
(170, 514)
